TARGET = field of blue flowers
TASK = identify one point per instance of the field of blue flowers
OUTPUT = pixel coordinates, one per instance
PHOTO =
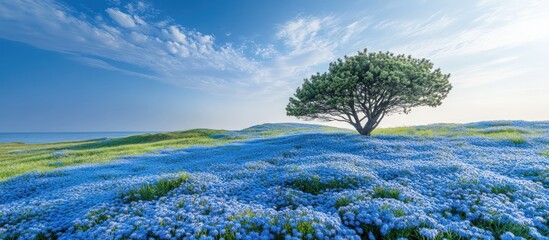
(301, 185)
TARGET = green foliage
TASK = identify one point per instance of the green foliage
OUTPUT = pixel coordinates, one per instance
(504, 131)
(49, 235)
(96, 216)
(513, 135)
(395, 212)
(18, 158)
(342, 202)
(289, 154)
(315, 186)
(408, 233)
(383, 192)
(305, 227)
(368, 86)
(498, 228)
(502, 189)
(517, 140)
(149, 192)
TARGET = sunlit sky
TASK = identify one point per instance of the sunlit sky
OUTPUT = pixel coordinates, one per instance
(143, 65)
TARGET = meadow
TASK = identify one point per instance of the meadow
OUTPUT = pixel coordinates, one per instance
(485, 180)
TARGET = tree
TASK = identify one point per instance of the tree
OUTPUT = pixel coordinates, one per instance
(364, 88)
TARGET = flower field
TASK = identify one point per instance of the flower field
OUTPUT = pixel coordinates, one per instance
(487, 180)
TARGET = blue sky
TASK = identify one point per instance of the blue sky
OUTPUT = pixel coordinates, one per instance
(143, 65)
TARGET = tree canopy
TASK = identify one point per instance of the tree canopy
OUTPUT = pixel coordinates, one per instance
(362, 89)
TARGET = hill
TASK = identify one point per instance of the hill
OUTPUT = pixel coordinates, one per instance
(477, 180)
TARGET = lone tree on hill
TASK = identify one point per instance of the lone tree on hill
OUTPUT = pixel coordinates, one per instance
(362, 89)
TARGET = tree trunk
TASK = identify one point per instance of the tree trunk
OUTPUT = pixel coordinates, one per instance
(363, 130)
(366, 132)
(368, 128)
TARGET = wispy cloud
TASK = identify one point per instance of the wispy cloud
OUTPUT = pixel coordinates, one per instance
(167, 51)
(489, 72)
(495, 25)
(134, 40)
(123, 19)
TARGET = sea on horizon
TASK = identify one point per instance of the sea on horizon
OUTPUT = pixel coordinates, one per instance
(49, 137)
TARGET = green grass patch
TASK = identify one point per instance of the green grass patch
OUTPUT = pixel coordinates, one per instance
(315, 186)
(244, 220)
(383, 192)
(515, 135)
(289, 154)
(425, 131)
(19, 158)
(394, 131)
(304, 227)
(408, 233)
(395, 212)
(268, 129)
(96, 216)
(149, 192)
(342, 202)
(502, 189)
(517, 140)
(504, 131)
(497, 228)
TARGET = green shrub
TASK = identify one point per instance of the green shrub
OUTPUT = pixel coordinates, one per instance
(315, 186)
(395, 212)
(383, 192)
(342, 202)
(497, 228)
(408, 233)
(517, 140)
(149, 192)
(502, 189)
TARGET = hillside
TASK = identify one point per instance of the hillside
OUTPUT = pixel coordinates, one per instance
(283, 181)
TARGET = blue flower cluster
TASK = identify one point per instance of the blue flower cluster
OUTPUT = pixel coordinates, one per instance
(301, 186)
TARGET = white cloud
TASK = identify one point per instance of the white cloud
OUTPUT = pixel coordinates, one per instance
(266, 52)
(184, 58)
(305, 34)
(163, 50)
(498, 25)
(414, 27)
(177, 34)
(121, 18)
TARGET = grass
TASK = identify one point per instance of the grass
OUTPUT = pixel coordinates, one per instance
(408, 233)
(515, 135)
(395, 212)
(430, 130)
(315, 186)
(97, 216)
(383, 192)
(304, 227)
(19, 158)
(149, 192)
(342, 202)
(517, 140)
(502, 189)
(268, 130)
(497, 228)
